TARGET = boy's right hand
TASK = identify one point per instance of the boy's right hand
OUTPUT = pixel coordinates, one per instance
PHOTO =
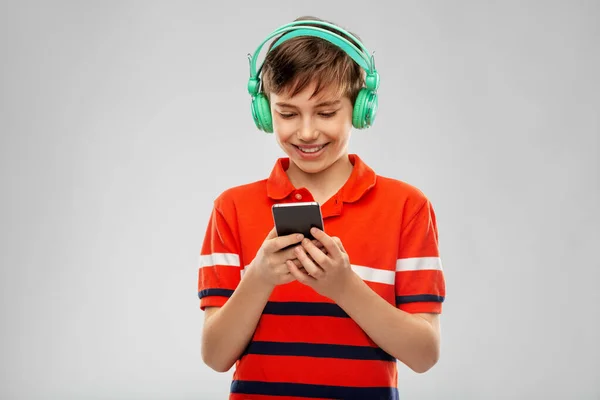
(269, 263)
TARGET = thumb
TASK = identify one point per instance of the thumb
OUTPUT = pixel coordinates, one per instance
(272, 234)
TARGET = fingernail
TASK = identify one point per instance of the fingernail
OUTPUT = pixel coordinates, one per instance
(300, 236)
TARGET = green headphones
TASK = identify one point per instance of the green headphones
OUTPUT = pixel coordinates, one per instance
(365, 106)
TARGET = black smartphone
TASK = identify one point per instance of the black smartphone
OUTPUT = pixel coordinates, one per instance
(292, 218)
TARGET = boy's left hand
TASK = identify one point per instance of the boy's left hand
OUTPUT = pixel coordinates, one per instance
(329, 272)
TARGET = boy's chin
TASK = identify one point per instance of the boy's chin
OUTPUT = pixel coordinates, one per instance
(311, 167)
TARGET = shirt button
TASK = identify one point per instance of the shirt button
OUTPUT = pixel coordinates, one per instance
(298, 196)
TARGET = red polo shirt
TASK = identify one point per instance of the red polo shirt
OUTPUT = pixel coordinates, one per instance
(305, 346)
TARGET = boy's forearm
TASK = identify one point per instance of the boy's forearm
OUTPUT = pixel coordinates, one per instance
(409, 338)
(227, 333)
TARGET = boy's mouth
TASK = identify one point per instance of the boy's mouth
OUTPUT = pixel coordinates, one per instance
(310, 149)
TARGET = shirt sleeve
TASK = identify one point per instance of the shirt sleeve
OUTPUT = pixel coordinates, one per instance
(219, 270)
(420, 283)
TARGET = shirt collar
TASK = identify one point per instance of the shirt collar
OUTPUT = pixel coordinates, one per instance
(360, 181)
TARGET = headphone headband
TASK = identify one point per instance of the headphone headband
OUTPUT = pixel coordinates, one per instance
(300, 28)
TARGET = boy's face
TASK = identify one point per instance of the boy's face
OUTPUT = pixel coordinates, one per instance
(314, 133)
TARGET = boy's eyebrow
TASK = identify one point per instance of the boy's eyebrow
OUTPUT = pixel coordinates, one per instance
(328, 103)
(321, 104)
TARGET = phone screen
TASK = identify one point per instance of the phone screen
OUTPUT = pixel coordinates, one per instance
(292, 218)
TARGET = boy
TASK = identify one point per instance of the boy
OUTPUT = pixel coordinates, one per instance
(326, 318)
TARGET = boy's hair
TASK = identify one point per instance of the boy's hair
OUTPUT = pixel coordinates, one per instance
(300, 61)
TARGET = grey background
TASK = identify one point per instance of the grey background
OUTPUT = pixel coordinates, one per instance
(120, 122)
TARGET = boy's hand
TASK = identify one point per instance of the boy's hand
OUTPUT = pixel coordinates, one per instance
(327, 272)
(298, 263)
(270, 261)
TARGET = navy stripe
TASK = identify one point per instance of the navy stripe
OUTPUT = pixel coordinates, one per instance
(321, 350)
(314, 391)
(215, 292)
(304, 309)
(419, 297)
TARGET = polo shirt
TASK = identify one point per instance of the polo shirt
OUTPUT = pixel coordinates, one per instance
(305, 346)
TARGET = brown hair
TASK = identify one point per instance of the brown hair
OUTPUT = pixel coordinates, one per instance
(300, 61)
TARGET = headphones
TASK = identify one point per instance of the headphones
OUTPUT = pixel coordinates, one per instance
(365, 106)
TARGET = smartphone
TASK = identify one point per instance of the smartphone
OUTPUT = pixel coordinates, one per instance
(292, 218)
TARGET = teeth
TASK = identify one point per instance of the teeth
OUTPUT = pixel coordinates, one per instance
(311, 150)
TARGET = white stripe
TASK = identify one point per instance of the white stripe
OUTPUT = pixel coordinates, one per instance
(226, 259)
(374, 274)
(366, 274)
(419, 264)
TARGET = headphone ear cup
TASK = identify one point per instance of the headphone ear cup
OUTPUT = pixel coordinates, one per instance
(255, 113)
(371, 105)
(365, 109)
(261, 112)
(358, 113)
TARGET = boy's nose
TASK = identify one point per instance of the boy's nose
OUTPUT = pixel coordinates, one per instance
(307, 133)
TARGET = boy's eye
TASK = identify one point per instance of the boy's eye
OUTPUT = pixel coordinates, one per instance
(327, 115)
(286, 115)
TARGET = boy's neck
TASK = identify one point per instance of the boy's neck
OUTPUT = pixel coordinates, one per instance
(324, 184)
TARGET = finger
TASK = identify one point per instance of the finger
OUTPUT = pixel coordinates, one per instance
(272, 234)
(281, 270)
(338, 241)
(300, 276)
(330, 245)
(283, 274)
(298, 264)
(311, 267)
(300, 267)
(287, 254)
(281, 242)
(316, 254)
(290, 253)
(320, 245)
(287, 278)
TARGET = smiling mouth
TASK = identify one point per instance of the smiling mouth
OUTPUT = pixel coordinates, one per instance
(311, 149)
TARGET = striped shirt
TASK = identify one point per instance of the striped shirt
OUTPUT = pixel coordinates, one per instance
(306, 346)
